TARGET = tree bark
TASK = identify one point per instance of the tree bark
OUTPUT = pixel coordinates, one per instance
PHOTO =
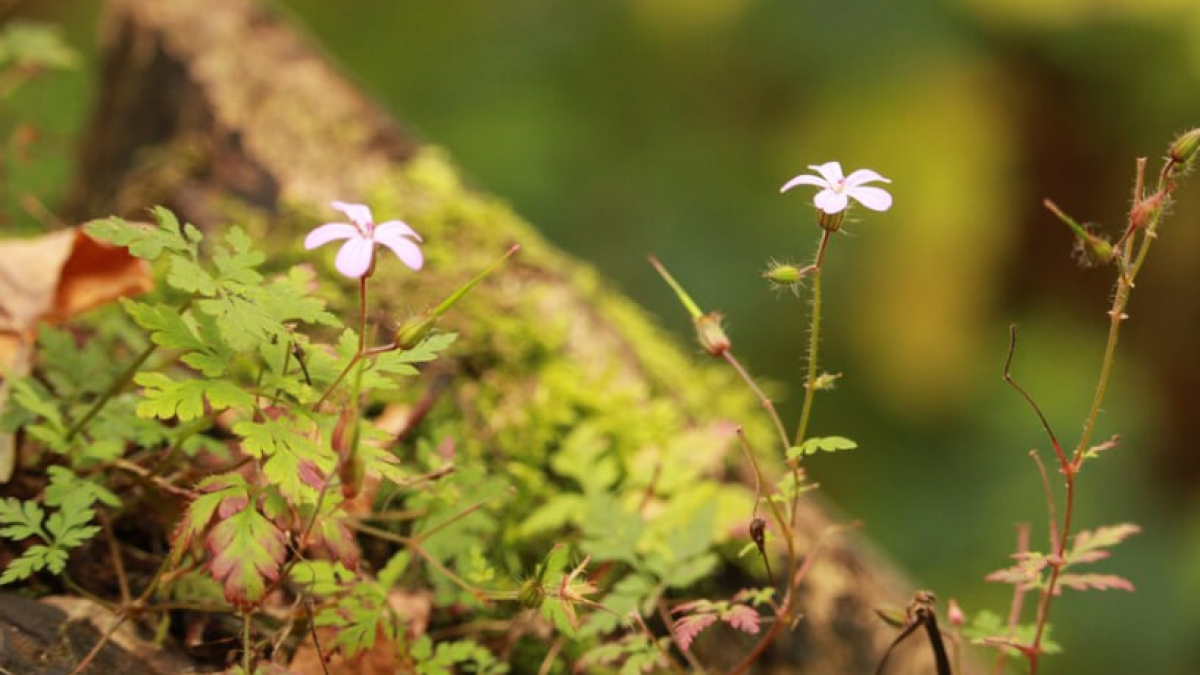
(221, 111)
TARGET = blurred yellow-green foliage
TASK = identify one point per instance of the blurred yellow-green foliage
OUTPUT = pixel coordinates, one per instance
(628, 127)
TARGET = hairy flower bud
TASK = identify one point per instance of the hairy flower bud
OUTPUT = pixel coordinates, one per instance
(830, 222)
(1092, 249)
(711, 335)
(783, 275)
(1183, 150)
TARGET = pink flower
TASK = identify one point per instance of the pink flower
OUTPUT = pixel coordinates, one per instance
(357, 256)
(836, 189)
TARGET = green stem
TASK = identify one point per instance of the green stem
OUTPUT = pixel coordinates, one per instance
(1128, 266)
(113, 388)
(362, 314)
(814, 340)
(118, 384)
(762, 398)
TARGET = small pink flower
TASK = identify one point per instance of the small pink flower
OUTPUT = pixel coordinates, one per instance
(357, 255)
(836, 189)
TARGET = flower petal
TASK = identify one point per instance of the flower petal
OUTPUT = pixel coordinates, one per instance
(330, 232)
(404, 248)
(359, 214)
(804, 179)
(830, 171)
(876, 199)
(355, 257)
(864, 176)
(830, 201)
(399, 226)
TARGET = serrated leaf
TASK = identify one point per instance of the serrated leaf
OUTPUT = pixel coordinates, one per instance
(66, 485)
(68, 526)
(21, 519)
(248, 552)
(235, 262)
(32, 396)
(165, 398)
(242, 323)
(1099, 582)
(1090, 545)
(199, 514)
(610, 531)
(165, 324)
(293, 461)
(143, 241)
(188, 276)
(558, 511)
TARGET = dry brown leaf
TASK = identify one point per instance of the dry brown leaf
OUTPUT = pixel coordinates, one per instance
(52, 278)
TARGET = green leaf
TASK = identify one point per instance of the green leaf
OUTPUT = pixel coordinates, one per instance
(611, 532)
(21, 520)
(65, 484)
(188, 276)
(65, 528)
(469, 656)
(236, 260)
(560, 510)
(68, 526)
(587, 456)
(35, 44)
(166, 398)
(143, 241)
(827, 444)
(242, 322)
(293, 461)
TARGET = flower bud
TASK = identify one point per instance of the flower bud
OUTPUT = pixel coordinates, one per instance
(955, 614)
(784, 275)
(825, 381)
(531, 595)
(712, 337)
(758, 532)
(831, 222)
(1146, 209)
(1092, 249)
(414, 330)
(1183, 150)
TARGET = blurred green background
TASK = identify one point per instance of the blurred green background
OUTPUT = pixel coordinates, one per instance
(628, 127)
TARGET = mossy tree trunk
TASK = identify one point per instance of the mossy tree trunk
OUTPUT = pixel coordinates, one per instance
(219, 110)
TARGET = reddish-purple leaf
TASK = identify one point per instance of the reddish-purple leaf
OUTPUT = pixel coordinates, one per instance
(247, 552)
(311, 474)
(742, 618)
(1088, 543)
(693, 606)
(688, 627)
(331, 535)
(216, 491)
(1017, 575)
(1099, 582)
(1111, 443)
